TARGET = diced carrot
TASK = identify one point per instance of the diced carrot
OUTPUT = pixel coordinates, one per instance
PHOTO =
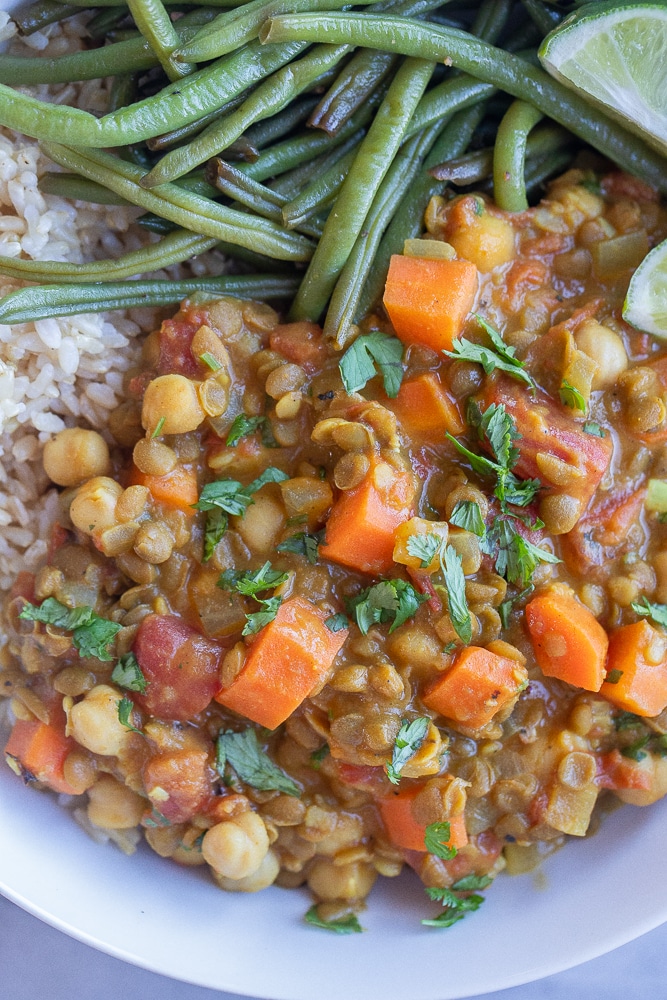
(616, 771)
(637, 661)
(478, 685)
(405, 831)
(425, 410)
(303, 343)
(568, 640)
(361, 526)
(176, 489)
(290, 657)
(428, 300)
(553, 447)
(40, 752)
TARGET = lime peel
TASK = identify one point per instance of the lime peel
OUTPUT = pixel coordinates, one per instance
(645, 305)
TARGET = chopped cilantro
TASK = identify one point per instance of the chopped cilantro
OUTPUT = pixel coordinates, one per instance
(349, 924)
(158, 428)
(241, 427)
(656, 612)
(614, 676)
(357, 365)
(250, 584)
(455, 907)
(424, 547)
(627, 720)
(127, 674)
(505, 609)
(317, 756)
(242, 752)
(591, 427)
(211, 362)
(515, 557)
(499, 356)
(637, 750)
(471, 882)
(227, 497)
(258, 619)
(336, 623)
(455, 583)
(408, 740)
(125, 709)
(467, 515)
(91, 634)
(449, 648)
(387, 601)
(570, 396)
(304, 543)
(435, 841)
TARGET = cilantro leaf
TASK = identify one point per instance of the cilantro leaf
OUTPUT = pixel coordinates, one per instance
(387, 601)
(435, 841)
(241, 427)
(125, 709)
(408, 740)
(317, 756)
(424, 547)
(499, 356)
(336, 623)
(515, 557)
(570, 396)
(505, 609)
(225, 497)
(455, 582)
(470, 882)
(253, 582)
(357, 365)
(591, 427)
(637, 750)
(349, 924)
(270, 475)
(656, 612)
(467, 515)
(252, 764)
(128, 674)
(455, 907)
(214, 529)
(91, 634)
(303, 544)
(258, 619)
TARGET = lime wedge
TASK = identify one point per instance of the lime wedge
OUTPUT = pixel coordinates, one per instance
(645, 304)
(616, 55)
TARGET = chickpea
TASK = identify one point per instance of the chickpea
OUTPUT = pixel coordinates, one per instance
(265, 876)
(605, 348)
(153, 543)
(94, 505)
(172, 404)
(75, 455)
(114, 806)
(330, 881)
(95, 724)
(154, 458)
(237, 847)
(261, 524)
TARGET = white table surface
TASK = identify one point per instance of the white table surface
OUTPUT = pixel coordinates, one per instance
(39, 963)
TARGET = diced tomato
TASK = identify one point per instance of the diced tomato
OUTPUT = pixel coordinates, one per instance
(303, 343)
(175, 341)
(179, 783)
(181, 667)
(363, 776)
(616, 771)
(23, 586)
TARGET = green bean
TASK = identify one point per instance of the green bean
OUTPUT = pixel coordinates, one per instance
(355, 197)
(403, 171)
(319, 193)
(177, 104)
(179, 135)
(271, 96)
(293, 182)
(408, 222)
(79, 189)
(43, 301)
(477, 166)
(509, 156)
(543, 167)
(488, 63)
(168, 3)
(453, 94)
(105, 21)
(122, 92)
(263, 133)
(491, 19)
(261, 199)
(360, 77)
(173, 249)
(156, 26)
(545, 18)
(131, 56)
(234, 28)
(41, 14)
(188, 210)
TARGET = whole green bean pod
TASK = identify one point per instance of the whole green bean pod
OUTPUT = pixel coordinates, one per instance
(355, 197)
(509, 156)
(293, 181)
(486, 62)
(39, 15)
(78, 188)
(269, 130)
(453, 94)
(131, 56)
(478, 165)
(177, 104)
(43, 301)
(156, 26)
(189, 210)
(270, 97)
(360, 77)
(319, 193)
(234, 28)
(179, 135)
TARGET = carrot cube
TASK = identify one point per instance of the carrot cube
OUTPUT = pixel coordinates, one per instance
(476, 687)
(637, 661)
(428, 300)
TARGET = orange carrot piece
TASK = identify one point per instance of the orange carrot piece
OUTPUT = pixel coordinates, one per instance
(568, 640)
(425, 410)
(40, 751)
(361, 526)
(428, 300)
(405, 831)
(478, 684)
(177, 489)
(290, 657)
(638, 658)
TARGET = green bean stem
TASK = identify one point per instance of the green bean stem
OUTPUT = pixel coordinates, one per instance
(156, 26)
(177, 104)
(270, 97)
(188, 210)
(485, 62)
(509, 156)
(355, 197)
(42, 301)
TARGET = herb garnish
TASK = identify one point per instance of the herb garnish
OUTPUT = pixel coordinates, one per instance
(336, 623)
(455, 907)
(349, 924)
(125, 709)
(591, 427)
(91, 634)
(127, 674)
(304, 543)
(424, 547)
(467, 515)
(210, 361)
(317, 756)
(241, 427)
(435, 841)
(499, 356)
(570, 396)
(251, 583)
(158, 428)
(408, 740)
(656, 612)
(242, 752)
(358, 365)
(227, 497)
(387, 601)
(427, 547)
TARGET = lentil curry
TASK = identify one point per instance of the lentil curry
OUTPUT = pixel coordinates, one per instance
(320, 615)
